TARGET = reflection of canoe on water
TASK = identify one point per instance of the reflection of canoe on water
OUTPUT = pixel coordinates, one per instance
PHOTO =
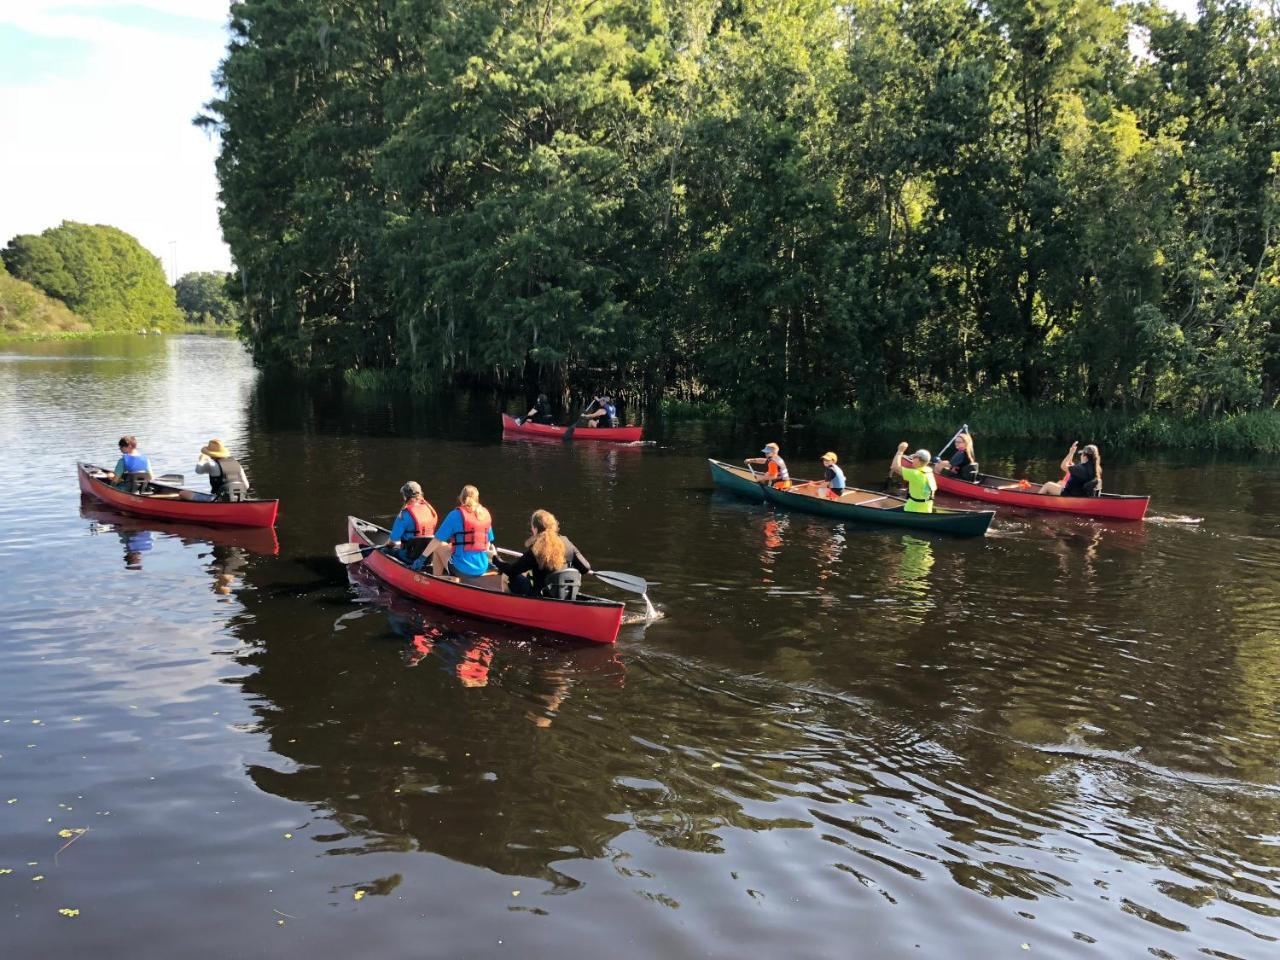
(612, 434)
(589, 618)
(1113, 505)
(168, 506)
(862, 506)
(259, 540)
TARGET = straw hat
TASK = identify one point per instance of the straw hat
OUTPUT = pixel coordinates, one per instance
(215, 448)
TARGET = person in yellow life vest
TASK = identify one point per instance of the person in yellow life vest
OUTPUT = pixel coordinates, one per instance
(464, 541)
(921, 483)
(415, 524)
(775, 467)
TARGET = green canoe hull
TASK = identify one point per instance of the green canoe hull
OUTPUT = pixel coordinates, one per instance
(961, 523)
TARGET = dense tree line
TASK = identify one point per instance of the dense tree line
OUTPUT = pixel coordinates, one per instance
(101, 273)
(779, 203)
(208, 298)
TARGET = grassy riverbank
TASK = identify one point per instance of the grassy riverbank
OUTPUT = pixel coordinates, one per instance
(27, 313)
(1007, 419)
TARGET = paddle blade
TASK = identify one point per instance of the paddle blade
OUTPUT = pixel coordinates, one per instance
(623, 581)
(349, 553)
(175, 479)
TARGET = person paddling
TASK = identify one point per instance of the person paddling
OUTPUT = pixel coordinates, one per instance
(963, 464)
(775, 467)
(921, 483)
(603, 412)
(1083, 479)
(464, 541)
(546, 553)
(223, 470)
(833, 482)
(132, 466)
(540, 412)
(415, 524)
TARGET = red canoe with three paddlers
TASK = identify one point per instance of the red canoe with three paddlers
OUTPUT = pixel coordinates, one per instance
(513, 427)
(587, 618)
(164, 500)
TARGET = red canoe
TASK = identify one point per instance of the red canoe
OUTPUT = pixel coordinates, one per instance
(614, 434)
(1113, 506)
(588, 618)
(167, 505)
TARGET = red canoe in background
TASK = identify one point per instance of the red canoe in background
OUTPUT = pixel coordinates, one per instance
(588, 618)
(1112, 506)
(613, 434)
(167, 505)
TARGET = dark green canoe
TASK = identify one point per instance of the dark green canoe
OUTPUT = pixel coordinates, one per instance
(861, 506)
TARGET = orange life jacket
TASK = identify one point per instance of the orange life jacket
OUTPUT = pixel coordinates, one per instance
(776, 469)
(475, 530)
(424, 517)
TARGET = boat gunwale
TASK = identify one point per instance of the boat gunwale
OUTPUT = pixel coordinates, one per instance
(242, 513)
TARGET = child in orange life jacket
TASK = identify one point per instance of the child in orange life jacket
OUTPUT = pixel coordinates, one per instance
(775, 467)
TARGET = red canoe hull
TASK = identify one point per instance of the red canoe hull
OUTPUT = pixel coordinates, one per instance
(611, 434)
(1109, 506)
(246, 513)
(589, 619)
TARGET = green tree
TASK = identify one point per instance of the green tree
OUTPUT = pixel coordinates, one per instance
(207, 297)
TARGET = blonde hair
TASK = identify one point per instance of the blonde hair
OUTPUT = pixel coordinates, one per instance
(968, 445)
(546, 544)
(469, 498)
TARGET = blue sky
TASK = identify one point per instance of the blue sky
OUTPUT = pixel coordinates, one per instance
(96, 102)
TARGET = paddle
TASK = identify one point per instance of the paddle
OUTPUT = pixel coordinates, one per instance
(170, 479)
(964, 428)
(350, 553)
(568, 434)
(623, 581)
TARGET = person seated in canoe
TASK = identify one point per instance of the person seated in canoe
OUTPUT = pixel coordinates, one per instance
(415, 524)
(963, 464)
(921, 483)
(132, 469)
(464, 541)
(775, 467)
(602, 412)
(227, 478)
(540, 412)
(833, 480)
(1083, 479)
(546, 552)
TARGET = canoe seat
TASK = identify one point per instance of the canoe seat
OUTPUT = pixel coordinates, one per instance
(233, 491)
(563, 585)
(135, 482)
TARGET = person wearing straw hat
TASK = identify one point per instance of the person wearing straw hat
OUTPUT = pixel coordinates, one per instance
(921, 483)
(220, 467)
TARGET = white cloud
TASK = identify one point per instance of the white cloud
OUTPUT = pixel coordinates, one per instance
(105, 136)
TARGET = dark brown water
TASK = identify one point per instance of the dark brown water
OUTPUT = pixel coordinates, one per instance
(1060, 740)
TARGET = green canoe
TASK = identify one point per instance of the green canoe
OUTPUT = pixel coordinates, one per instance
(863, 506)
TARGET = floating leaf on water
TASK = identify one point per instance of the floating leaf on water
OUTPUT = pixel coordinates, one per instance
(288, 836)
(70, 911)
(4, 870)
(38, 876)
(64, 833)
(12, 800)
(359, 895)
(279, 923)
(515, 893)
(714, 765)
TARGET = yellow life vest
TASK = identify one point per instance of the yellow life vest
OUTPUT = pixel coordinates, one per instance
(920, 489)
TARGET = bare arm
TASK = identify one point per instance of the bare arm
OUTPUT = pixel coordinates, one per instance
(1069, 459)
(895, 465)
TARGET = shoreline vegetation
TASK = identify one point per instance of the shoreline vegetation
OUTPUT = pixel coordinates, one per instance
(1011, 419)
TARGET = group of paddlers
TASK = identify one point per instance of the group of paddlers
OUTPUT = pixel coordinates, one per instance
(227, 479)
(462, 545)
(1081, 478)
(600, 412)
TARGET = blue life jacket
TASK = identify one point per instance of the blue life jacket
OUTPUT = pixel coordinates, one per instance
(133, 463)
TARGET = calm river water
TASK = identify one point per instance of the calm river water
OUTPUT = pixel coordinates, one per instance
(1057, 741)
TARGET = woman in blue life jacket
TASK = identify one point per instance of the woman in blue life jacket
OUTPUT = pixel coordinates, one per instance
(130, 465)
(604, 414)
(1083, 479)
(464, 541)
(921, 483)
(416, 521)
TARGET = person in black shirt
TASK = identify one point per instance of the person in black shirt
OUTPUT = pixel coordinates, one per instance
(540, 412)
(1083, 479)
(963, 464)
(546, 552)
